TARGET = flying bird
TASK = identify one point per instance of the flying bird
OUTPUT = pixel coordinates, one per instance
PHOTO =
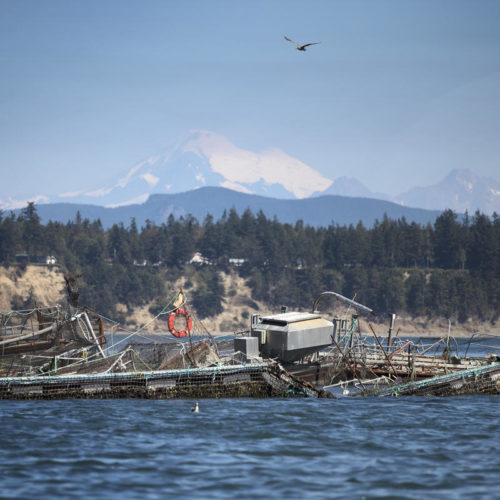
(301, 47)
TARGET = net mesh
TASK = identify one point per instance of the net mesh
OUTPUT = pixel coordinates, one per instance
(87, 355)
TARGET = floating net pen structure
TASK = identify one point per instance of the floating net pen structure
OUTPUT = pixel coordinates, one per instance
(90, 356)
(184, 342)
(363, 361)
(479, 380)
(354, 356)
(32, 340)
(262, 380)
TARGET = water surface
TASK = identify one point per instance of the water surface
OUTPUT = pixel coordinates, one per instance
(346, 448)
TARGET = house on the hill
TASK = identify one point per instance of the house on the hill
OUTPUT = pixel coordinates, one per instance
(24, 258)
(237, 262)
(199, 260)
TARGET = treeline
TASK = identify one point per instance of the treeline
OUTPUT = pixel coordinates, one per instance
(448, 269)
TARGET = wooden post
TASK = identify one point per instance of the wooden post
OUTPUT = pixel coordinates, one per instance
(348, 363)
(383, 350)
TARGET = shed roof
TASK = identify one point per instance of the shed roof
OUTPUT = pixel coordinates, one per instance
(289, 317)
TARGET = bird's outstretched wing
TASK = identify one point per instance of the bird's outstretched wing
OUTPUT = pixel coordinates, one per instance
(288, 39)
(307, 44)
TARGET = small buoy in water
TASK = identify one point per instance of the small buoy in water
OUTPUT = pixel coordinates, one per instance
(195, 408)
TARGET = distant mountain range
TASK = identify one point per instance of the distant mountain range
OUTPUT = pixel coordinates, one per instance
(202, 159)
(460, 190)
(317, 211)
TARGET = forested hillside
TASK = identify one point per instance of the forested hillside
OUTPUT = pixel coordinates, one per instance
(450, 269)
(314, 211)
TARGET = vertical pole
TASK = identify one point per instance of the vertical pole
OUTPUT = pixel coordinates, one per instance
(383, 350)
(91, 330)
(409, 361)
(448, 336)
(391, 326)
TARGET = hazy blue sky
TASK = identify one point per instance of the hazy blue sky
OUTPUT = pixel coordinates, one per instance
(397, 94)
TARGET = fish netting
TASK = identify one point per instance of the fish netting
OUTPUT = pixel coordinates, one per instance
(55, 341)
(257, 380)
(31, 339)
(485, 379)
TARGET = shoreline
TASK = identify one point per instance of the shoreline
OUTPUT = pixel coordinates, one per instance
(381, 335)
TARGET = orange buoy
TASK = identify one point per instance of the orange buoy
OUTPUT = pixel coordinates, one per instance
(171, 320)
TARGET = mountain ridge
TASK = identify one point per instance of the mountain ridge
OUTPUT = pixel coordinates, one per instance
(460, 190)
(202, 158)
(319, 211)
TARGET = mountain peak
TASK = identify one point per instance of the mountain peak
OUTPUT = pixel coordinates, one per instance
(460, 190)
(348, 186)
(204, 158)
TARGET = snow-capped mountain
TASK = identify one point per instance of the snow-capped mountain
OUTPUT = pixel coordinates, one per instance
(460, 190)
(349, 186)
(204, 158)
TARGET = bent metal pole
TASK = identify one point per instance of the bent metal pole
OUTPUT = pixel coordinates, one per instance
(344, 299)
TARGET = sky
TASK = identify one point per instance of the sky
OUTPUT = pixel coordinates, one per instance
(397, 94)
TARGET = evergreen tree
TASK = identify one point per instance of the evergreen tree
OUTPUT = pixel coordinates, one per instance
(451, 269)
(482, 251)
(209, 293)
(32, 230)
(448, 241)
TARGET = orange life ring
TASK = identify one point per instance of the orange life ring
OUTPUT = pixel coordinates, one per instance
(171, 319)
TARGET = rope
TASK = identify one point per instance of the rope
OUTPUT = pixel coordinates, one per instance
(440, 379)
(28, 312)
(166, 310)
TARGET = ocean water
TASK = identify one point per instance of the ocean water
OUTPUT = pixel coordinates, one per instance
(406, 447)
